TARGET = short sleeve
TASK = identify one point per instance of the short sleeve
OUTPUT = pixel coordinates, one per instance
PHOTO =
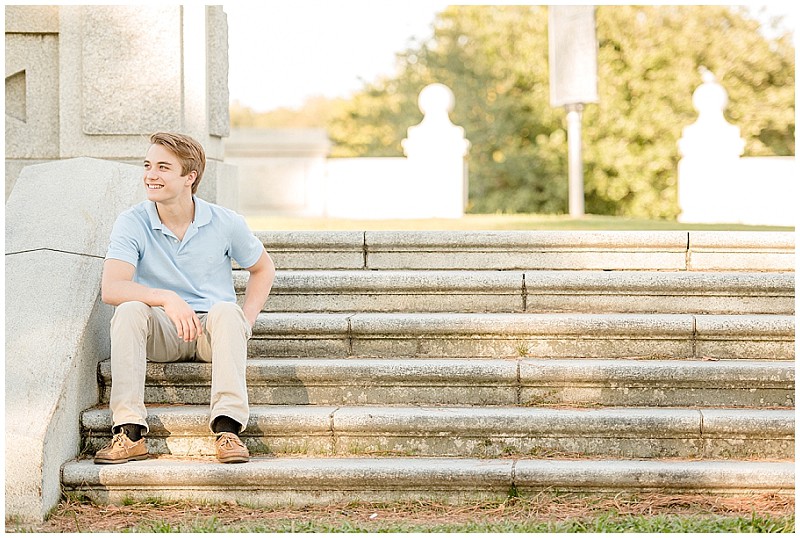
(246, 248)
(124, 243)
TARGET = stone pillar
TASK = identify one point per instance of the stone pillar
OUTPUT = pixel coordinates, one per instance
(58, 219)
(31, 88)
(436, 151)
(95, 81)
(710, 149)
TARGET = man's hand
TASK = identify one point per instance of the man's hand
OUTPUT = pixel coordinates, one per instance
(118, 287)
(185, 319)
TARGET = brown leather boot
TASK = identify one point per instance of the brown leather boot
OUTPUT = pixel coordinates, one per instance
(230, 449)
(122, 450)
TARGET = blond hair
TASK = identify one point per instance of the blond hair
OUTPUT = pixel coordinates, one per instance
(189, 152)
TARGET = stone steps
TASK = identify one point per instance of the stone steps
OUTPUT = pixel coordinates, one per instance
(529, 291)
(534, 250)
(473, 365)
(513, 335)
(473, 432)
(484, 382)
(299, 481)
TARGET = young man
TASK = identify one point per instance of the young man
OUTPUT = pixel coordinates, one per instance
(168, 272)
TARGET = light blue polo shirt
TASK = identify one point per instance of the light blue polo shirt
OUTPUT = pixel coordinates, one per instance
(197, 268)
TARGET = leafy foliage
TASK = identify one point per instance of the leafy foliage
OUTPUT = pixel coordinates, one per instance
(495, 59)
(316, 112)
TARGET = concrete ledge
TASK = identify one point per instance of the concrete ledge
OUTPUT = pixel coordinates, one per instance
(340, 382)
(444, 335)
(526, 250)
(757, 422)
(353, 291)
(501, 240)
(271, 482)
(742, 374)
(534, 250)
(393, 281)
(303, 335)
(741, 251)
(746, 337)
(729, 241)
(315, 250)
(520, 335)
(532, 291)
(58, 219)
(466, 382)
(674, 476)
(727, 383)
(43, 212)
(582, 325)
(472, 431)
(688, 292)
(400, 335)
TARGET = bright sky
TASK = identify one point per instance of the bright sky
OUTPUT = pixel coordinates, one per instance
(283, 51)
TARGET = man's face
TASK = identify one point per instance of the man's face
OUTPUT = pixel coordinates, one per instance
(162, 176)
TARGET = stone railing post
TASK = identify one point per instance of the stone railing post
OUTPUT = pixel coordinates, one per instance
(436, 151)
(710, 149)
(58, 220)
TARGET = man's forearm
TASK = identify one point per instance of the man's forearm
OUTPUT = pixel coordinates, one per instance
(186, 322)
(116, 293)
(257, 290)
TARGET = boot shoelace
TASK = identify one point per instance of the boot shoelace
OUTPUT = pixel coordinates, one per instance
(229, 440)
(117, 440)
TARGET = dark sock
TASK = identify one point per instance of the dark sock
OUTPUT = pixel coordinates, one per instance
(133, 431)
(224, 424)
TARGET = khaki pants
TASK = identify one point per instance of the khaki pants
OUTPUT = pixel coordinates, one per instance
(140, 333)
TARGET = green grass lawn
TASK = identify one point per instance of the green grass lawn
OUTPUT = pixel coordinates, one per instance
(492, 222)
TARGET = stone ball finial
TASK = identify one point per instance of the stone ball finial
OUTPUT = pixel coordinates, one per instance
(706, 75)
(436, 99)
(710, 96)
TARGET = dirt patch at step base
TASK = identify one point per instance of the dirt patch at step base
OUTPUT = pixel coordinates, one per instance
(75, 515)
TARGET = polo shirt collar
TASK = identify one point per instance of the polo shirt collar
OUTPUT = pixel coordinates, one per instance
(202, 213)
(152, 212)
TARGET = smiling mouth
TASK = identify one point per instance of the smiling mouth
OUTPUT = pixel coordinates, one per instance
(155, 187)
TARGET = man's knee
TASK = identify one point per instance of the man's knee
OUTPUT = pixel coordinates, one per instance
(132, 312)
(225, 312)
(227, 315)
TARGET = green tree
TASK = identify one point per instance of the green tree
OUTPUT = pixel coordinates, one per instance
(315, 112)
(648, 64)
(495, 58)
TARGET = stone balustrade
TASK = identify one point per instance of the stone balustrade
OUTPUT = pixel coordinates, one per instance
(287, 172)
(716, 184)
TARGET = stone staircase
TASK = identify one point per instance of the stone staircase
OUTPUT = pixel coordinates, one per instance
(468, 365)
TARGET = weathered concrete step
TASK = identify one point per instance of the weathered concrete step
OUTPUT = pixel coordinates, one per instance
(473, 431)
(493, 335)
(527, 382)
(531, 291)
(298, 481)
(656, 250)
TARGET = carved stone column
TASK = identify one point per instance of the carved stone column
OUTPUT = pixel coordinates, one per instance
(95, 81)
